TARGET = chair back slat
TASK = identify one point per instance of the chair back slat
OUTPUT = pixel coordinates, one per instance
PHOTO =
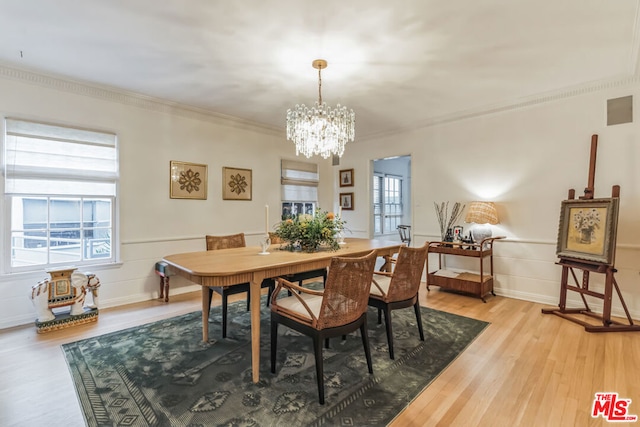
(407, 273)
(346, 291)
(225, 242)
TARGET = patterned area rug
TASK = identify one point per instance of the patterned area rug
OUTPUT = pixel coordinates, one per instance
(161, 374)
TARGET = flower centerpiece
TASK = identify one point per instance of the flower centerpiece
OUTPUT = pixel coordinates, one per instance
(309, 233)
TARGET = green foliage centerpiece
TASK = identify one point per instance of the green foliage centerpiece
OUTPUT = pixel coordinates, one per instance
(310, 233)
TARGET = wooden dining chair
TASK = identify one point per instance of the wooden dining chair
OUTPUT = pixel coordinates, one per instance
(399, 288)
(229, 242)
(405, 234)
(302, 276)
(337, 310)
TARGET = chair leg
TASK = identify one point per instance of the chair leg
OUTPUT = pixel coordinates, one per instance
(210, 301)
(416, 308)
(274, 344)
(387, 322)
(365, 343)
(269, 293)
(317, 349)
(224, 314)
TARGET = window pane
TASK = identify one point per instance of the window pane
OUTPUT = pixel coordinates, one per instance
(28, 251)
(65, 246)
(96, 213)
(97, 243)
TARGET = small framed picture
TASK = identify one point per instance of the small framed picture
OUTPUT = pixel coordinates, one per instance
(236, 184)
(187, 180)
(346, 201)
(457, 233)
(346, 178)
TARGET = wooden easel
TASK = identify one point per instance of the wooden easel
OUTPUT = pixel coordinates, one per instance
(569, 265)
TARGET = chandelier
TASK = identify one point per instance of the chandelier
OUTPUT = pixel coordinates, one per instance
(321, 129)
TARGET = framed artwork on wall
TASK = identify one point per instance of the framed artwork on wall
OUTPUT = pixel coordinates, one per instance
(346, 201)
(346, 178)
(187, 180)
(236, 184)
(588, 230)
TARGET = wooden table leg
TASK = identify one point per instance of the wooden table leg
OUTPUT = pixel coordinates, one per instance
(206, 302)
(255, 326)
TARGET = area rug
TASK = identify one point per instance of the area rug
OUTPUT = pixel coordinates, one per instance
(161, 374)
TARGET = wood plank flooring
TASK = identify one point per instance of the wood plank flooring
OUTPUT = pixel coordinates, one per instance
(525, 369)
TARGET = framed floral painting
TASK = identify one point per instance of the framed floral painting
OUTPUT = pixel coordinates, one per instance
(187, 180)
(588, 230)
(236, 184)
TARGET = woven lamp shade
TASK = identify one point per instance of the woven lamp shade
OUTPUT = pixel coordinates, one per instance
(482, 213)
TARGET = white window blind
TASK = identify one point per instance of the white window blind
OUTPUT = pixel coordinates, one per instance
(299, 181)
(55, 160)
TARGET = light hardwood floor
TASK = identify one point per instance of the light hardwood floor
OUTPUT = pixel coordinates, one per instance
(525, 369)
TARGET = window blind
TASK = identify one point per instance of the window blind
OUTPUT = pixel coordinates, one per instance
(49, 159)
(299, 181)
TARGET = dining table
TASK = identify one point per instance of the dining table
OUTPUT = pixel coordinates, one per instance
(229, 267)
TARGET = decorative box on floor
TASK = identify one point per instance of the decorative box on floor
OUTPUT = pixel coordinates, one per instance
(65, 288)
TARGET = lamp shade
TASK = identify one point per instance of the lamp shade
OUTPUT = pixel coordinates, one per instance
(482, 213)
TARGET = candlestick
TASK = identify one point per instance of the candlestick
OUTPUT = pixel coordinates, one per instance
(266, 219)
(340, 212)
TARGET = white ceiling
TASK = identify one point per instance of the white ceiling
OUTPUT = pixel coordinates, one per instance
(399, 64)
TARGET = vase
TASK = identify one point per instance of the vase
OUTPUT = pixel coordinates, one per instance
(309, 246)
(585, 236)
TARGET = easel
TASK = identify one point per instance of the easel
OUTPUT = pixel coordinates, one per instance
(569, 265)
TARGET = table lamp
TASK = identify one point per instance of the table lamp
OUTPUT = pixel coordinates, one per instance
(482, 214)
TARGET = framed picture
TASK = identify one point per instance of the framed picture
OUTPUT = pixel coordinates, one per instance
(588, 230)
(346, 201)
(187, 180)
(236, 184)
(346, 178)
(457, 233)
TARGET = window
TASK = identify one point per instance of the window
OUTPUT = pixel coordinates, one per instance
(387, 203)
(60, 189)
(299, 181)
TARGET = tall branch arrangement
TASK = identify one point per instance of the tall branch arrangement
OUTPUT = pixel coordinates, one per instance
(445, 220)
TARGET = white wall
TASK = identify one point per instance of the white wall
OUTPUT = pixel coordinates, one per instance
(526, 159)
(152, 225)
(523, 158)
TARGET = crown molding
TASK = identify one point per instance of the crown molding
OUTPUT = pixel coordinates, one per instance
(131, 99)
(163, 106)
(518, 104)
